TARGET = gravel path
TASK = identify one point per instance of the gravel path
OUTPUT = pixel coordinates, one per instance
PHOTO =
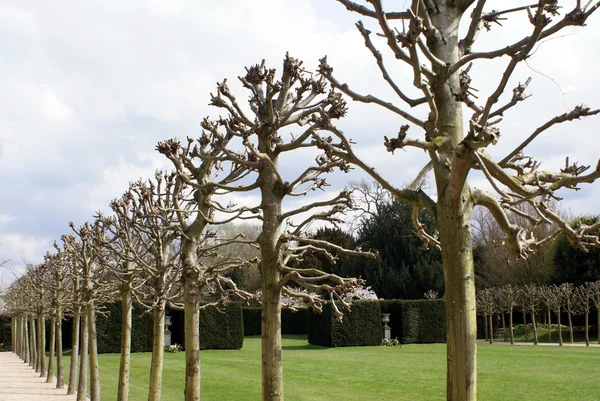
(19, 382)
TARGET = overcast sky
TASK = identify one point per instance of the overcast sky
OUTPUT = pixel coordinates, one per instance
(89, 87)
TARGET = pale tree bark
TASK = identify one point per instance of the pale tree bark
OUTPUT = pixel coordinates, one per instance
(32, 344)
(158, 345)
(52, 348)
(75, 335)
(125, 360)
(60, 376)
(41, 349)
(191, 291)
(83, 357)
(428, 43)
(93, 353)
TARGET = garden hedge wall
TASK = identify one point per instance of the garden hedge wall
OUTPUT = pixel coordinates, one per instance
(292, 322)
(5, 333)
(222, 327)
(108, 327)
(360, 326)
(417, 321)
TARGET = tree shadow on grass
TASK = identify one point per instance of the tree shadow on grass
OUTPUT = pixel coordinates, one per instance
(303, 347)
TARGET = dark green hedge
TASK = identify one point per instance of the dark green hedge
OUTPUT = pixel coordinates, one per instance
(222, 327)
(251, 321)
(5, 332)
(360, 326)
(292, 322)
(108, 327)
(416, 321)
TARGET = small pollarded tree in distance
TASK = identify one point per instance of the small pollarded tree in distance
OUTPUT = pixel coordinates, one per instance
(596, 302)
(584, 296)
(57, 266)
(291, 99)
(486, 306)
(547, 298)
(530, 302)
(429, 42)
(508, 298)
(41, 294)
(570, 305)
(83, 250)
(553, 297)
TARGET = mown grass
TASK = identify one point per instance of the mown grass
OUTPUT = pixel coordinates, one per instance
(411, 372)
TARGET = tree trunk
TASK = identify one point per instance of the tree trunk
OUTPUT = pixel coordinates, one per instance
(191, 294)
(535, 334)
(570, 319)
(549, 326)
(93, 357)
(158, 345)
(72, 387)
(560, 339)
(504, 333)
(485, 324)
(83, 358)
(454, 225)
(272, 363)
(510, 323)
(491, 328)
(124, 367)
(41, 350)
(271, 201)
(598, 324)
(587, 328)
(50, 373)
(525, 326)
(32, 344)
(60, 376)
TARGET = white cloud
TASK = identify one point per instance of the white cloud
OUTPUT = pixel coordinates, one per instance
(5, 218)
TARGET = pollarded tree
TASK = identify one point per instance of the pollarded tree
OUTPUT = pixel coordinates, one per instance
(508, 297)
(530, 302)
(584, 296)
(204, 167)
(552, 299)
(148, 208)
(83, 250)
(570, 305)
(486, 306)
(596, 302)
(292, 99)
(430, 43)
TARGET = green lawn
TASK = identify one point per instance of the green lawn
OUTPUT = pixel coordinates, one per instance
(411, 373)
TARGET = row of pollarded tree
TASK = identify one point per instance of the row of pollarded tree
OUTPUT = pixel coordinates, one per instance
(534, 301)
(294, 111)
(162, 244)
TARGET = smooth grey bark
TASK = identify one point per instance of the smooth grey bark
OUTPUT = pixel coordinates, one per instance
(41, 349)
(83, 358)
(454, 217)
(485, 323)
(525, 325)
(52, 345)
(549, 325)
(560, 337)
(125, 360)
(191, 293)
(534, 324)
(32, 344)
(93, 356)
(158, 344)
(510, 324)
(270, 248)
(504, 331)
(73, 378)
(60, 376)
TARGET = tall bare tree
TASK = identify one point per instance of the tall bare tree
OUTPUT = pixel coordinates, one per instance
(508, 297)
(291, 99)
(430, 43)
(584, 296)
(486, 306)
(530, 302)
(596, 302)
(570, 305)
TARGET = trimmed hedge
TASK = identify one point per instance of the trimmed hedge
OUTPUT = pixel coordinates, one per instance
(360, 326)
(5, 333)
(251, 321)
(417, 321)
(222, 327)
(292, 322)
(108, 327)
